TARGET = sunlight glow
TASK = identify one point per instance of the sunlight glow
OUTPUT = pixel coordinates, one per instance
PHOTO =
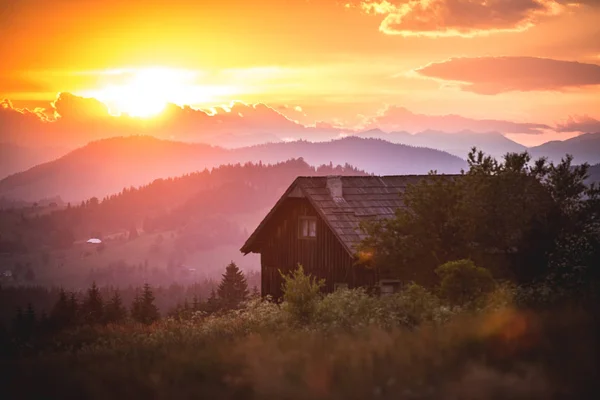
(145, 92)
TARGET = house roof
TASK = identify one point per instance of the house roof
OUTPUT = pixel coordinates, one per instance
(363, 197)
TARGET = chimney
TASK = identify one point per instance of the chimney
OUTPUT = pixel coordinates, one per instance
(334, 184)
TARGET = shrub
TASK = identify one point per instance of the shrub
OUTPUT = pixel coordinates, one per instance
(462, 281)
(301, 293)
(349, 310)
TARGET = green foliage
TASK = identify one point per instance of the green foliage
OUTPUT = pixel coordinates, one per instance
(520, 219)
(233, 289)
(462, 281)
(143, 309)
(301, 293)
(498, 353)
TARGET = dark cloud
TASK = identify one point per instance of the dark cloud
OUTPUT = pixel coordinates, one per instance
(401, 119)
(464, 17)
(493, 75)
(579, 124)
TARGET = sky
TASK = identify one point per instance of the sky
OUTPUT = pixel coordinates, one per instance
(530, 66)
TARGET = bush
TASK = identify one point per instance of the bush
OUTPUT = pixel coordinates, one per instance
(301, 293)
(462, 281)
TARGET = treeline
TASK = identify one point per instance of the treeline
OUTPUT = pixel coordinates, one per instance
(167, 298)
(161, 205)
(97, 307)
(523, 220)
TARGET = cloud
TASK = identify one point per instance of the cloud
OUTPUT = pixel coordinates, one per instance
(71, 107)
(400, 119)
(77, 120)
(466, 18)
(582, 123)
(493, 75)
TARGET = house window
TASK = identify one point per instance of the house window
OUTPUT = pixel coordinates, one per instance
(308, 227)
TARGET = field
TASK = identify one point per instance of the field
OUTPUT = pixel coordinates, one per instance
(354, 347)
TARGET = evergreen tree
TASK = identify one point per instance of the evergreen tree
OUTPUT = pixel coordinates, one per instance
(73, 309)
(255, 292)
(212, 304)
(19, 324)
(114, 311)
(30, 319)
(195, 303)
(133, 233)
(63, 312)
(233, 288)
(93, 307)
(144, 310)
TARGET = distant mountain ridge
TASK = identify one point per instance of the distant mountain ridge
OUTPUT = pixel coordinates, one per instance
(107, 166)
(458, 143)
(584, 148)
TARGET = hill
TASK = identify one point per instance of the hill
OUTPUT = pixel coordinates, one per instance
(458, 143)
(172, 226)
(584, 148)
(15, 158)
(106, 166)
(594, 173)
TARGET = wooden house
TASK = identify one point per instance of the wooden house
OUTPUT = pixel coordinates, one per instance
(316, 223)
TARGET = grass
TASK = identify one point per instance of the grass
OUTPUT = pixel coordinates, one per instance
(498, 352)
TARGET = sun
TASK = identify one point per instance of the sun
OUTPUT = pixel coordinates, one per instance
(144, 93)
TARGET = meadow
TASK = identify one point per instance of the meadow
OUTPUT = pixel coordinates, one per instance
(509, 344)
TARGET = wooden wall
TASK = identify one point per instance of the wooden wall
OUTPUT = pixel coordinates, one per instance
(323, 256)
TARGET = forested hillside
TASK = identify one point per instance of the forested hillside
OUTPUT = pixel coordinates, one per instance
(179, 229)
(104, 167)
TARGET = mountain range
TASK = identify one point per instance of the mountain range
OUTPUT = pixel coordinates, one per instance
(106, 166)
(457, 143)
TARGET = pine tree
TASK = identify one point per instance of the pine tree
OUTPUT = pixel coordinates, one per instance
(144, 310)
(195, 303)
(73, 309)
(233, 288)
(255, 293)
(62, 314)
(115, 312)
(133, 233)
(212, 304)
(19, 324)
(93, 306)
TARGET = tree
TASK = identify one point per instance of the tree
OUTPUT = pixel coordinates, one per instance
(301, 293)
(64, 310)
(233, 288)
(92, 308)
(133, 233)
(516, 218)
(143, 309)
(212, 304)
(462, 281)
(115, 312)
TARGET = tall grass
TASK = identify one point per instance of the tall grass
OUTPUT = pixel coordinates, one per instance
(407, 346)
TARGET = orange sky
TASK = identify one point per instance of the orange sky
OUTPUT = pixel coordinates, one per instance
(341, 62)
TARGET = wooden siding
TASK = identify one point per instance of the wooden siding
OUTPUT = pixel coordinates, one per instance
(324, 257)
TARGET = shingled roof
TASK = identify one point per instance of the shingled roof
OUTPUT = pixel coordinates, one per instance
(362, 197)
